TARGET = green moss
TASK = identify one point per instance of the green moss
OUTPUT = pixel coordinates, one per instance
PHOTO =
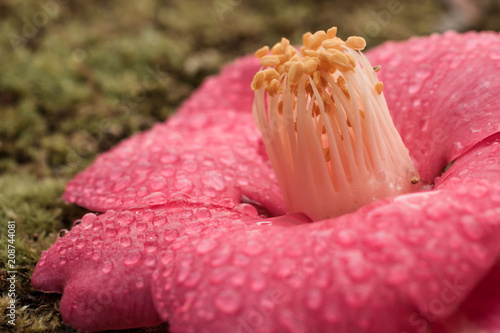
(74, 88)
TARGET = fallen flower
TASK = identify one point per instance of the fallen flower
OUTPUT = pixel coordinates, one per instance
(177, 244)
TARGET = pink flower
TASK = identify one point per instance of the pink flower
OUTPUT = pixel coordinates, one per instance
(195, 231)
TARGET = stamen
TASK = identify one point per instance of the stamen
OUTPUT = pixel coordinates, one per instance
(327, 128)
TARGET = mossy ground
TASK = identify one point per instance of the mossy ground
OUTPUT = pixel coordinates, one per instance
(76, 77)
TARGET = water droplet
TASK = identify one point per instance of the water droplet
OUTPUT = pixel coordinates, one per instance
(126, 217)
(150, 246)
(62, 232)
(190, 166)
(494, 55)
(221, 255)
(193, 279)
(156, 198)
(111, 232)
(265, 223)
(141, 226)
(478, 191)
(159, 220)
(170, 234)
(80, 243)
(139, 283)
(380, 176)
(133, 257)
(168, 158)
(214, 180)
(96, 255)
(356, 298)
(314, 299)
(246, 209)
(107, 267)
(194, 228)
(346, 237)
(206, 245)
(183, 185)
(471, 228)
(150, 260)
(228, 301)
(253, 248)
(62, 261)
(77, 222)
(88, 220)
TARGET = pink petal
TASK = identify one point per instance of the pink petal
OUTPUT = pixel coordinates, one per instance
(215, 164)
(481, 311)
(104, 265)
(397, 264)
(443, 93)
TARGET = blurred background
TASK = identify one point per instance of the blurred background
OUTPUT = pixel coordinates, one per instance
(76, 77)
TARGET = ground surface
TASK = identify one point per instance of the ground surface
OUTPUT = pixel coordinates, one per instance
(71, 86)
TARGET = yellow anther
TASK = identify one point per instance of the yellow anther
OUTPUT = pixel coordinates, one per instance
(276, 49)
(280, 69)
(273, 87)
(262, 51)
(352, 61)
(258, 81)
(305, 39)
(310, 53)
(340, 59)
(285, 44)
(316, 39)
(310, 66)
(269, 60)
(270, 73)
(296, 72)
(288, 64)
(316, 79)
(379, 86)
(355, 43)
(331, 33)
(334, 43)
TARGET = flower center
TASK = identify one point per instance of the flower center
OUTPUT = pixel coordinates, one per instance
(327, 128)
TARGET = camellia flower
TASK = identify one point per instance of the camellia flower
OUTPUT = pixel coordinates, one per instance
(195, 229)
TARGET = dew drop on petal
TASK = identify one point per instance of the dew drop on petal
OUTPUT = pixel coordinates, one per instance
(183, 185)
(228, 301)
(214, 180)
(170, 234)
(132, 258)
(126, 217)
(107, 267)
(88, 220)
(96, 255)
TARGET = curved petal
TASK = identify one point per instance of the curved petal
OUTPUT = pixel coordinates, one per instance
(443, 92)
(481, 311)
(217, 164)
(397, 264)
(104, 264)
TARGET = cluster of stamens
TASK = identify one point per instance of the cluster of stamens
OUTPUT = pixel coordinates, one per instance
(326, 126)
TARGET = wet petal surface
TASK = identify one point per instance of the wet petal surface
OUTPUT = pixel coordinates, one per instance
(397, 264)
